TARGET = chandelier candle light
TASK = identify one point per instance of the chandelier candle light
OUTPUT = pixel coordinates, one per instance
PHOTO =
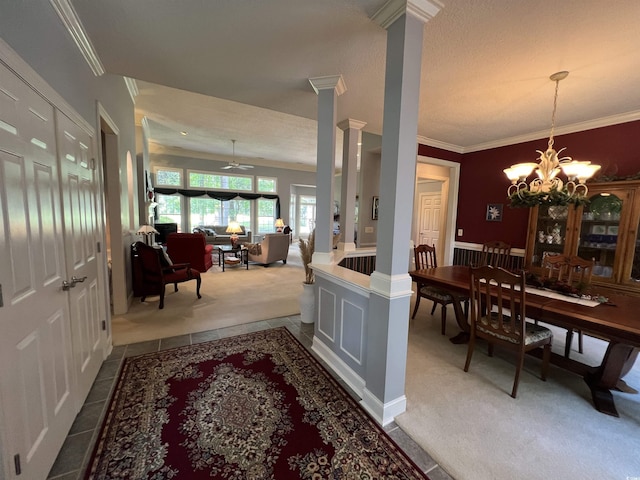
(548, 188)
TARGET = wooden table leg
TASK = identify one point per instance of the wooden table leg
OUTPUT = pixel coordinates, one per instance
(463, 336)
(618, 360)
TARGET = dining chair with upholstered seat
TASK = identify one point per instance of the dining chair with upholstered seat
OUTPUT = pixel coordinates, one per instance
(574, 271)
(496, 253)
(498, 315)
(425, 257)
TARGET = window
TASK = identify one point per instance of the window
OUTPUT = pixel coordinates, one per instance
(267, 185)
(266, 215)
(214, 181)
(307, 214)
(209, 211)
(168, 177)
(169, 209)
(204, 211)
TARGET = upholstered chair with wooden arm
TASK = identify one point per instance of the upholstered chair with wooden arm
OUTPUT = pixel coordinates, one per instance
(152, 271)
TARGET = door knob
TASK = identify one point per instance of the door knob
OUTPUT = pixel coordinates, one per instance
(67, 286)
(75, 280)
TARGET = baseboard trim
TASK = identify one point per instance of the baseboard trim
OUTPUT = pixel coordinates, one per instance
(346, 373)
(383, 413)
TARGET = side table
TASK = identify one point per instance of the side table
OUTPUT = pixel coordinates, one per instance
(240, 252)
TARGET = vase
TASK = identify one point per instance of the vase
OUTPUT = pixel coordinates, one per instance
(307, 302)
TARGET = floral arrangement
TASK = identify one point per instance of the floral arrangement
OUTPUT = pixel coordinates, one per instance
(565, 288)
(527, 199)
(306, 253)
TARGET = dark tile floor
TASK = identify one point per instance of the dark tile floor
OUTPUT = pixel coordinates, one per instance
(75, 453)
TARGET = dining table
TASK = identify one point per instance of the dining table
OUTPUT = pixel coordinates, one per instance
(615, 320)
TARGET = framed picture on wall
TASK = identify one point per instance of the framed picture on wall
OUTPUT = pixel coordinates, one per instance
(494, 212)
(374, 209)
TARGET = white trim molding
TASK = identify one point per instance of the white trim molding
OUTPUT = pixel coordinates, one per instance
(132, 86)
(423, 10)
(329, 82)
(74, 26)
(383, 413)
(351, 378)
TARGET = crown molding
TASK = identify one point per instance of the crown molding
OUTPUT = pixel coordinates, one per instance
(438, 144)
(132, 86)
(423, 10)
(351, 123)
(573, 128)
(329, 82)
(72, 23)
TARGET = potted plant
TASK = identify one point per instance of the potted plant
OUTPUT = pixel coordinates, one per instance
(307, 299)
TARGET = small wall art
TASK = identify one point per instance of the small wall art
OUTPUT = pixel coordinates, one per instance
(494, 212)
(374, 209)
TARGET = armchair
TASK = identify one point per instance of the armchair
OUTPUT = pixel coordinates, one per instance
(151, 272)
(190, 248)
(274, 247)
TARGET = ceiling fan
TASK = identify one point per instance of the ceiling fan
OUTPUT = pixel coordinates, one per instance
(233, 164)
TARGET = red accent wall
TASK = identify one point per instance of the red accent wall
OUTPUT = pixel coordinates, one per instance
(427, 151)
(482, 180)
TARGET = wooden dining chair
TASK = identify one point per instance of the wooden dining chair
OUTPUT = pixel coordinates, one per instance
(425, 257)
(575, 271)
(496, 253)
(578, 273)
(504, 322)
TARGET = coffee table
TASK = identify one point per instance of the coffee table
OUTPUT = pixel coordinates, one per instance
(240, 252)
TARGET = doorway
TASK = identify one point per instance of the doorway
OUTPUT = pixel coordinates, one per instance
(446, 174)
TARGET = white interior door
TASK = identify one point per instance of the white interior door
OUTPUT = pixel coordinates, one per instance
(430, 218)
(81, 235)
(36, 391)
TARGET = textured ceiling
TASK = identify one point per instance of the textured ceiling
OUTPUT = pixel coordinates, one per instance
(227, 69)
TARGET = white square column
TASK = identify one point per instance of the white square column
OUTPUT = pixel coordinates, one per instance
(350, 149)
(328, 89)
(388, 322)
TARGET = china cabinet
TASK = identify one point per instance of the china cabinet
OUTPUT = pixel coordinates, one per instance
(605, 230)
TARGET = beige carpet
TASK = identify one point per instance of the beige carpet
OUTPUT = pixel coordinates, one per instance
(473, 428)
(233, 297)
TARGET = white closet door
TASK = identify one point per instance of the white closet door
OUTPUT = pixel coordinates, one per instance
(81, 235)
(37, 383)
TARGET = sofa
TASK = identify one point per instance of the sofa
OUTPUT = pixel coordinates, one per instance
(274, 247)
(217, 234)
(190, 248)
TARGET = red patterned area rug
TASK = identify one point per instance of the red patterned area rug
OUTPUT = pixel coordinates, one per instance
(255, 406)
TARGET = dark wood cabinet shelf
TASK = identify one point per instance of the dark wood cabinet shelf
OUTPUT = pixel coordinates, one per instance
(611, 239)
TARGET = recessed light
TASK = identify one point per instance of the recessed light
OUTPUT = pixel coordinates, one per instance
(184, 133)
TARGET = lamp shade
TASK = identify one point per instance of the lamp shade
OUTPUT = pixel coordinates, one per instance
(234, 227)
(279, 223)
(146, 230)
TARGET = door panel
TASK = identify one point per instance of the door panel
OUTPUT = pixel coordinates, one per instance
(430, 213)
(81, 234)
(37, 381)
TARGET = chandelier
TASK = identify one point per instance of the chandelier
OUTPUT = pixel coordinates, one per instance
(548, 188)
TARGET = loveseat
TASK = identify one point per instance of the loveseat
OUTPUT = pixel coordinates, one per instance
(217, 234)
(190, 248)
(274, 247)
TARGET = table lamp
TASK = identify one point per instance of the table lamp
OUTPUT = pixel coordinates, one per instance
(148, 232)
(279, 225)
(234, 229)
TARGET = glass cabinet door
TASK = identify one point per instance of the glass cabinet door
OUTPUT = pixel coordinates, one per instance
(599, 230)
(550, 232)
